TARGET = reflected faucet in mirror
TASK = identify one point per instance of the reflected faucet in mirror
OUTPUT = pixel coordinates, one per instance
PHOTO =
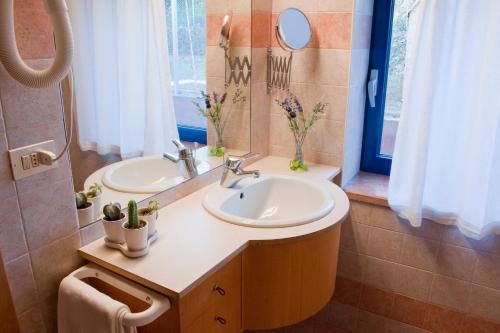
(233, 171)
(185, 160)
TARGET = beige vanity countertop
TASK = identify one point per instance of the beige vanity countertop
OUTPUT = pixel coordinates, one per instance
(192, 243)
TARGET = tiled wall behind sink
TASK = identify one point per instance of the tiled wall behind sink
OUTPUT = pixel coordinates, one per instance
(38, 230)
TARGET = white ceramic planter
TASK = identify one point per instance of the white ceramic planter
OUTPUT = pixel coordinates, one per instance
(85, 215)
(136, 239)
(114, 230)
(96, 202)
(151, 219)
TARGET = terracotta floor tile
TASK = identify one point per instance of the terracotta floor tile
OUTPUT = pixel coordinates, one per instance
(347, 291)
(376, 301)
(444, 320)
(409, 311)
(477, 325)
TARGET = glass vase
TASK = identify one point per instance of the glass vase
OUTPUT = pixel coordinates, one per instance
(297, 164)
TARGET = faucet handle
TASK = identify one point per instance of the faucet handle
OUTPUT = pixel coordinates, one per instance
(234, 162)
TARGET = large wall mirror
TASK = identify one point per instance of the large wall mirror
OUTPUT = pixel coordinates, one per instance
(155, 105)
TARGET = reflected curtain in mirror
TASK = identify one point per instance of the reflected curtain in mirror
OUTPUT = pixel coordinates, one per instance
(122, 77)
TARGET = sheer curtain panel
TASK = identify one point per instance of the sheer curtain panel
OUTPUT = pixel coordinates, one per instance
(122, 77)
(446, 163)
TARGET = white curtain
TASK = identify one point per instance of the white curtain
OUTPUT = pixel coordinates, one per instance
(446, 163)
(122, 77)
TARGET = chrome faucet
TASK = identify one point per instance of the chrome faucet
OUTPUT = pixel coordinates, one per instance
(233, 172)
(185, 160)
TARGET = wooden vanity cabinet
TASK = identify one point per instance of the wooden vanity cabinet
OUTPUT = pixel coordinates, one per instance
(214, 306)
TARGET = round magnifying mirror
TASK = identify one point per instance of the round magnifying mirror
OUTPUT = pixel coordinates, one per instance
(224, 32)
(293, 29)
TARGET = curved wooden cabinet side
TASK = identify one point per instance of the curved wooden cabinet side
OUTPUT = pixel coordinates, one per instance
(267, 284)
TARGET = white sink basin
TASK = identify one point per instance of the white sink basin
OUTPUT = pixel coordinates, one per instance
(150, 174)
(273, 201)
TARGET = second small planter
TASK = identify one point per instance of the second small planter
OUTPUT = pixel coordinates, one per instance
(136, 238)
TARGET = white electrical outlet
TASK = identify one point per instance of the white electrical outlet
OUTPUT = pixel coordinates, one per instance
(25, 161)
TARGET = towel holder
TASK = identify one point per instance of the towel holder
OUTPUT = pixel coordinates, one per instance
(159, 304)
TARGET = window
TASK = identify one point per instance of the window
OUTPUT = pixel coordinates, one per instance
(387, 69)
(186, 46)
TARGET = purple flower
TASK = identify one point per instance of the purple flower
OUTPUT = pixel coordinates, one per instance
(207, 103)
(292, 114)
(223, 98)
(216, 97)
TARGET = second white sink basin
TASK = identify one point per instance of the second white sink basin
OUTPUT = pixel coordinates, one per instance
(273, 201)
(149, 174)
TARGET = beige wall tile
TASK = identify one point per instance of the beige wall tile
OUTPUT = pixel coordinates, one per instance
(22, 283)
(419, 253)
(487, 271)
(455, 261)
(215, 61)
(53, 262)
(450, 292)
(335, 5)
(413, 282)
(354, 237)
(484, 303)
(304, 5)
(12, 239)
(384, 244)
(350, 265)
(380, 273)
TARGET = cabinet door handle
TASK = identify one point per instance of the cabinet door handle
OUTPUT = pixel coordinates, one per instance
(220, 290)
(221, 320)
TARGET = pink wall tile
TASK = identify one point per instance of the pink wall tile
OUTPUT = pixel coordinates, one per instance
(261, 31)
(213, 26)
(350, 265)
(241, 30)
(33, 29)
(331, 30)
(336, 5)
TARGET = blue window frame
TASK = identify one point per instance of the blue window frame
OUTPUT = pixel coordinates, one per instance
(372, 160)
(192, 134)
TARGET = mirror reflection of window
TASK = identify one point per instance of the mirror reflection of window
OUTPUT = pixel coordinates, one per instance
(186, 47)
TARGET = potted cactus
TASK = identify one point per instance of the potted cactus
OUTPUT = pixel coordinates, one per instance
(94, 195)
(150, 214)
(112, 222)
(135, 230)
(84, 209)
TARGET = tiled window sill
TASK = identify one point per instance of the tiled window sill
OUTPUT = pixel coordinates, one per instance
(368, 187)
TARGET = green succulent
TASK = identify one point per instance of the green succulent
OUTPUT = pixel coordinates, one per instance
(152, 208)
(112, 211)
(133, 217)
(81, 200)
(94, 191)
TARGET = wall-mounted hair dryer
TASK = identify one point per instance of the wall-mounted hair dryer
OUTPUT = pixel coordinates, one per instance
(11, 59)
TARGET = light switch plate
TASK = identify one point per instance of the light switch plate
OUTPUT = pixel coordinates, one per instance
(16, 159)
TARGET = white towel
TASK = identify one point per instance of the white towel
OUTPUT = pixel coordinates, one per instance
(83, 309)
